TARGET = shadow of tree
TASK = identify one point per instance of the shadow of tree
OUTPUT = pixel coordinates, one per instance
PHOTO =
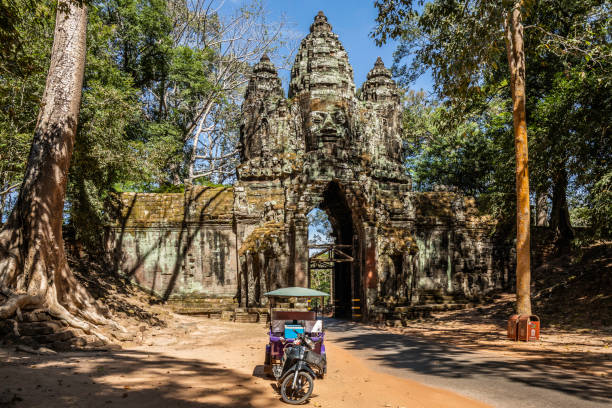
(126, 379)
(198, 203)
(426, 356)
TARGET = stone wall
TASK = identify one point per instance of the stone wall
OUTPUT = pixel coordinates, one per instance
(185, 245)
(177, 244)
(458, 251)
(455, 251)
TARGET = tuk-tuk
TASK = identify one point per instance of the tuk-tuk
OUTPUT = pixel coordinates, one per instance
(286, 323)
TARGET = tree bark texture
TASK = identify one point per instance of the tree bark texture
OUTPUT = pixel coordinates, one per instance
(516, 61)
(541, 208)
(559, 214)
(33, 269)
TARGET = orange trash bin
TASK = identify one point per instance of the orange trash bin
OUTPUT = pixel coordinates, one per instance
(528, 328)
(512, 327)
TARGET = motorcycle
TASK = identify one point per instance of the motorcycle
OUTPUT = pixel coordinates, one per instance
(296, 373)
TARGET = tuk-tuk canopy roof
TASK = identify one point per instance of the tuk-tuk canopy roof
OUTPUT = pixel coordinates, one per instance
(295, 292)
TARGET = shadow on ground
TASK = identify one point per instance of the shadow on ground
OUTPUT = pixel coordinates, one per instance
(121, 378)
(425, 356)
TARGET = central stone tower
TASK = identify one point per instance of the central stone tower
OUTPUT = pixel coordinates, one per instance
(322, 147)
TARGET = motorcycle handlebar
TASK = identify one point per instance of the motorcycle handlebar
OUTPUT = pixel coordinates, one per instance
(304, 338)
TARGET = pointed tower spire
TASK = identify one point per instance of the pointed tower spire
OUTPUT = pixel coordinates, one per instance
(379, 86)
(264, 79)
(262, 95)
(321, 64)
(320, 24)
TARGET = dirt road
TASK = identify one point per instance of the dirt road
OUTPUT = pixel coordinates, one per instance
(198, 363)
(534, 375)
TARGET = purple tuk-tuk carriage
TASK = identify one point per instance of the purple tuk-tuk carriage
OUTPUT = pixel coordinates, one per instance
(286, 323)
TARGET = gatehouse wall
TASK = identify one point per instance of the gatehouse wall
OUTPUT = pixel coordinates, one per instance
(177, 254)
(177, 244)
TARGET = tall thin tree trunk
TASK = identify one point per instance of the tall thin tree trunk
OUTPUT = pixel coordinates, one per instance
(33, 267)
(516, 61)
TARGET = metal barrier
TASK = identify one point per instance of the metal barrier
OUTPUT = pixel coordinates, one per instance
(356, 309)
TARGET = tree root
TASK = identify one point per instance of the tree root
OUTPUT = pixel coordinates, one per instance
(52, 307)
(16, 302)
(15, 328)
(42, 280)
(38, 351)
(58, 311)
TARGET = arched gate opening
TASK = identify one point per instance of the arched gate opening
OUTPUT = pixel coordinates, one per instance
(340, 255)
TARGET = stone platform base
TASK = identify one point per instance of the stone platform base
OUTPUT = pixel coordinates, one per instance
(204, 306)
(397, 315)
(225, 309)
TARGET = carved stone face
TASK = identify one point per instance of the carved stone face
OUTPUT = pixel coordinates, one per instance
(328, 123)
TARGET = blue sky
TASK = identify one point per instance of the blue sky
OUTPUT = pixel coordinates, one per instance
(352, 21)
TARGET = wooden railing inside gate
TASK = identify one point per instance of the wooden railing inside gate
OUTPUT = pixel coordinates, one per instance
(325, 257)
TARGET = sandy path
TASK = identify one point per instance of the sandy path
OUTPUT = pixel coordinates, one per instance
(198, 363)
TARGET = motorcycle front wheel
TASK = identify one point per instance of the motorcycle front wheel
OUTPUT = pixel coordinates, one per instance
(302, 391)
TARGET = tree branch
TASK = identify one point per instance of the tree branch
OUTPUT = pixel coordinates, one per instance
(8, 190)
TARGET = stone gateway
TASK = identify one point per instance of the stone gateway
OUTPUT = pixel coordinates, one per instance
(323, 146)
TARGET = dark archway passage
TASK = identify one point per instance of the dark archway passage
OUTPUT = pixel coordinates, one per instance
(346, 282)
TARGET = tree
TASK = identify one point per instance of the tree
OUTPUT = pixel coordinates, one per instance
(319, 227)
(23, 67)
(468, 151)
(568, 44)
(33, 267)
(190, 61)
(320, 232)
(516, 62)
(117, 146)
(458, 40)
(237, 41)
(152, 66)
(567, 104)
(10, 33)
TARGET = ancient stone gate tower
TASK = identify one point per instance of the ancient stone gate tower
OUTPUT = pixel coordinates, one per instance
(325, 147)
(322, 146)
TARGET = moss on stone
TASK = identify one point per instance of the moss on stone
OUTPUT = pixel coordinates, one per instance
(263, 238)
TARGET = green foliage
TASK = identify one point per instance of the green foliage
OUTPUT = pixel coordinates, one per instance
(319, 232)
(102, 155)
(320, 279)
(600, 208)
(23, 69)
(459, 41)
(141, 96)
(473, 153)
(465, 139)
(141, 44)
(110, 147)
(570, 105)
(203, 181)
(153, 69)
(14, 36)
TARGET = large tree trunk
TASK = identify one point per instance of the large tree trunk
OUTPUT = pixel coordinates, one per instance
(541, 208)
(559, 214)
(33, 268)
(516, 61)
